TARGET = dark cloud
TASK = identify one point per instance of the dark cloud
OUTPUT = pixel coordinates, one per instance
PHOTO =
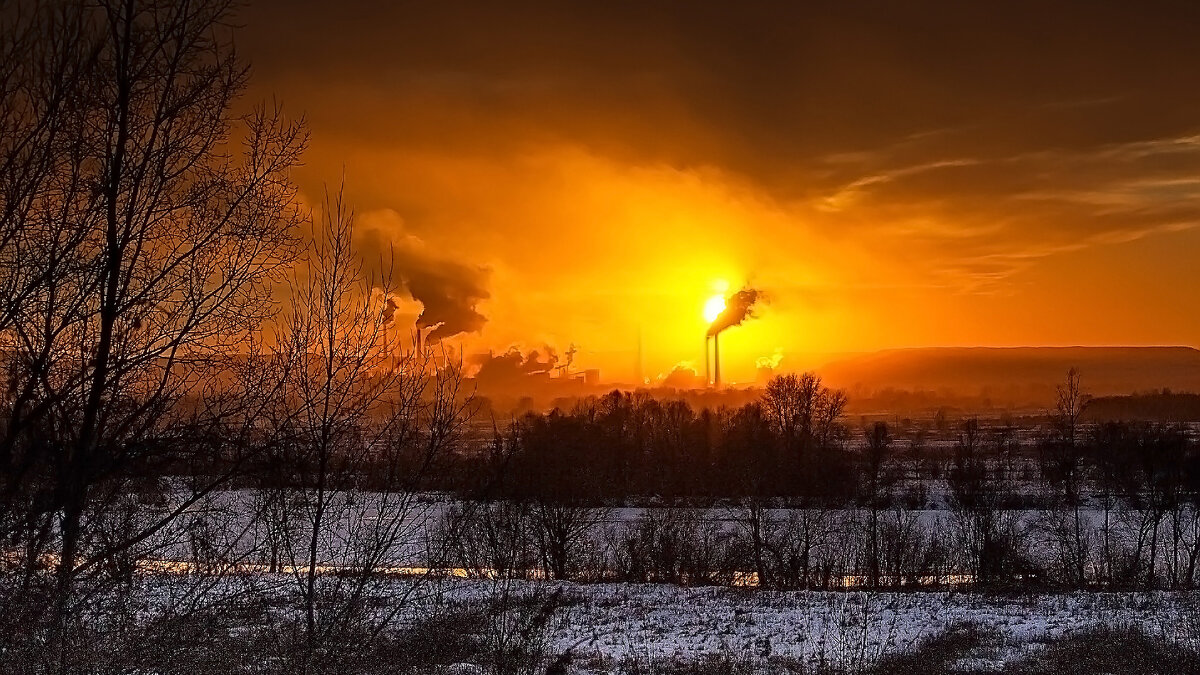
(936, 148)
(758, 85)
(801, 98)
(449, 290)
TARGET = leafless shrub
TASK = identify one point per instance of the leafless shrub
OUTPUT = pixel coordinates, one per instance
(865, 628)
(516, 635)
(671, 545)
(564, 535)
(485, 539)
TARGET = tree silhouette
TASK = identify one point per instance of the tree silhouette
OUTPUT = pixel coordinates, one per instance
(142, 225)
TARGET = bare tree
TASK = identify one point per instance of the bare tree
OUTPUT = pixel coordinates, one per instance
(876, 453)
(757, 523)
(38, 127)
(1068, 406)
(803, 414)
(141, 228)
(563, 532)
(790, 402)
(802, 410)
(830, 407)
(989, 536)
(1064, 466)
(484, 539)
(786, 550)
(358, 402)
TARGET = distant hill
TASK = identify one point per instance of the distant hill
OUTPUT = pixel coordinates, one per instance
(1016, 375)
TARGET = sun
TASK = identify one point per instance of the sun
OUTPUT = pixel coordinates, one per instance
(713, 308)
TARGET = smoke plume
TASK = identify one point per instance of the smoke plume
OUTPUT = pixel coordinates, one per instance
(682, 376)
(738, 308)
(513, 366)
(448, 290)
(769, 362)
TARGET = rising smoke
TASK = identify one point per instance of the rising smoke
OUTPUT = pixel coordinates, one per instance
(769, 362)
(738, 308)
(448, 290)
(683, 376)
(513, 366)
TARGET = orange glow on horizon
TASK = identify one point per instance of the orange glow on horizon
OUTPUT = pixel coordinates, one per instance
(1054, 209)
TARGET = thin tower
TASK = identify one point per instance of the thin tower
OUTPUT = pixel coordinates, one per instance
(707, 364)
(717, 360)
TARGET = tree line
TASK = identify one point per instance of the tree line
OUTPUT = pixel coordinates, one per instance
(805, 500)
(623, 444)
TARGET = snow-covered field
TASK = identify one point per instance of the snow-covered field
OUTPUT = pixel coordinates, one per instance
(604, 624)
(613, 624)
(229, 526)
(607, 626)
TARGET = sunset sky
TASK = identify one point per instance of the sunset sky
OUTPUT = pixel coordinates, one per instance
(888, 174)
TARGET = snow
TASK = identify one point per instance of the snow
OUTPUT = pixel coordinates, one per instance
(606, 623)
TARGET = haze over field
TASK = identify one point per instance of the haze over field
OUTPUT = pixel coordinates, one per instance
(1009, 373)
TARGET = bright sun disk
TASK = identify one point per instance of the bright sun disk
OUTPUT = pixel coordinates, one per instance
(713, 308)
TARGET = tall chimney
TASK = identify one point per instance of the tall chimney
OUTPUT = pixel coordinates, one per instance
(707, 365)
(717, 360)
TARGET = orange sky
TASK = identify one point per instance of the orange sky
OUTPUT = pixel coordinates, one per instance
(927, 175)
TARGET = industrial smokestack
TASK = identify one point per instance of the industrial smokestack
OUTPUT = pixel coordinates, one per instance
(738, 308)
(707, 364)
(717, 360)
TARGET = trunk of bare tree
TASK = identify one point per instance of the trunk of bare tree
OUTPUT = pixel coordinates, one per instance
(1108, 561)
(310, 582)
(756, 538)
(1080, 572)
(1150, 576)
(874, 546)
(70, 530)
